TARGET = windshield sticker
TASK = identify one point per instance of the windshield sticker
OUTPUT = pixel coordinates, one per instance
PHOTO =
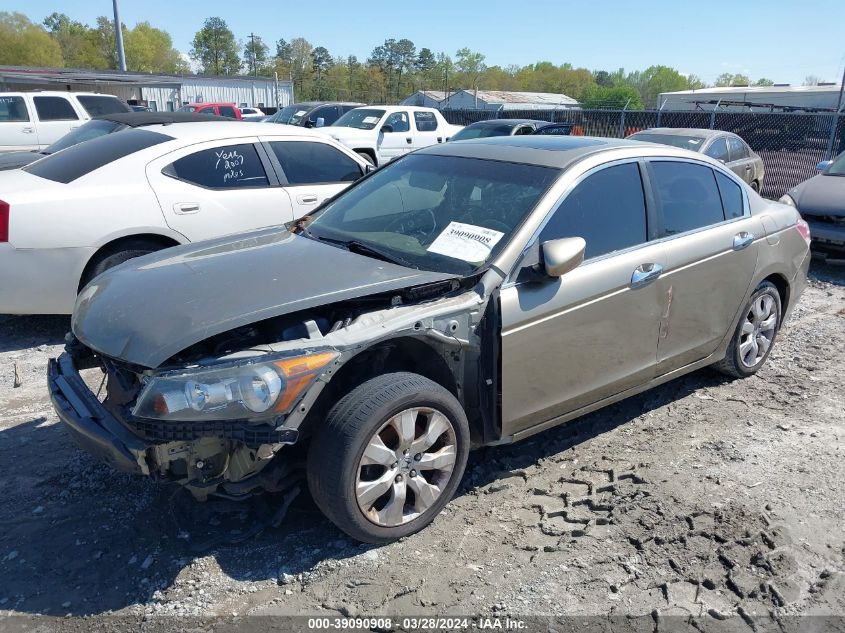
(300, 113)
(465, 241)
(370, 119)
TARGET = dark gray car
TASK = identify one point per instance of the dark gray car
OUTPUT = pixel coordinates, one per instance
(726, 147)
(821, 202)
(96, 127)
(511, 127)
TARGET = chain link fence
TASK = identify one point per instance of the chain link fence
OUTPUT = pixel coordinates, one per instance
(790, 144)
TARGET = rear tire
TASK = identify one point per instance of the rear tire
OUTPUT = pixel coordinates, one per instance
(755, 334)
(111, 257)
(755, 186)
(389, 457)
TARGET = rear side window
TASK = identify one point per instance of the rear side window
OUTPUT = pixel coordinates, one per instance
(98, 105)
(54, 109)
(227, 111)
(305, 162)
(607, 209)
(738, 149)
(554, 130)
(13, 109)
(329, 114)
(74, 162)
(688, 196)
(718, 149)
(731, 196)
(426, 121)
(226, 167)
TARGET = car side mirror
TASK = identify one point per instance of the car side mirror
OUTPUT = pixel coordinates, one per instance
(822, 166)
(386, 128)
(368, 168)
(563, 255)
(320, 122)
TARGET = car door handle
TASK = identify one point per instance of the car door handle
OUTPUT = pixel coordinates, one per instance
(748, 168)
(743, 240)
(186, 208)
(644, 274)
(28, 130)
(307, 198)
(409, 140)
(439, 139)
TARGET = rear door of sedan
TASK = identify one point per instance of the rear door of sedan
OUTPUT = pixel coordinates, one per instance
(572, 341)
(711, 244)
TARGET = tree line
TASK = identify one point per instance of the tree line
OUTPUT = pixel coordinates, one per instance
(394, 69)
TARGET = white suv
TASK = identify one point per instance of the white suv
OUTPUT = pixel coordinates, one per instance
(382, 133)
(34, 120)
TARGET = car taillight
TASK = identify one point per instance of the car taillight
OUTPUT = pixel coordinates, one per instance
(804, 230)
(4, 221)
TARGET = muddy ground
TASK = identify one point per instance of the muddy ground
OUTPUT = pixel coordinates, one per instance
(704, 496)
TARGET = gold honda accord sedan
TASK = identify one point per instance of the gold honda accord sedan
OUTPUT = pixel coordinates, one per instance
(468, 294)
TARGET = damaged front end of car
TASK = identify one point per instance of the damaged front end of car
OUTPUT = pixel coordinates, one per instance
(230, 415)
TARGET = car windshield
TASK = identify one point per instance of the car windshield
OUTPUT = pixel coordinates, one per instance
(290, 115)
(837, 168)
(482, 131)
(440, 213)
(675, 140)
(92, 129)
(361, 118)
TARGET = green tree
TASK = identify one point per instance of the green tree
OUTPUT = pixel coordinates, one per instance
(150, 50)
(730, 79)
(471, 65)
(613, 97)
(216, 49)
(321, 61)
(763, 81)
(256, 56)
(23, 43)
(656, 79)
(77, 41)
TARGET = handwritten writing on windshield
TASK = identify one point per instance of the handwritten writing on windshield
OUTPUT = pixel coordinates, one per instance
(230, 163)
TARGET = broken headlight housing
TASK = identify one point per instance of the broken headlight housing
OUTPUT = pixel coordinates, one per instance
(253, 388)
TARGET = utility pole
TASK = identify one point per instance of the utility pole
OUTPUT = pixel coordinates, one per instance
(118, 38)
(254, 60)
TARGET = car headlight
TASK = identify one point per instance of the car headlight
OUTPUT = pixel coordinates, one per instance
(233, 391)
(787, 199)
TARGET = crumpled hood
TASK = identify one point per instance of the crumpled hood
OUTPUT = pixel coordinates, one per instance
(821, 195)
(155, 306)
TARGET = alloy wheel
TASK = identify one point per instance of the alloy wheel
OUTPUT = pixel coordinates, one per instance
(758, 330)
(405, 466)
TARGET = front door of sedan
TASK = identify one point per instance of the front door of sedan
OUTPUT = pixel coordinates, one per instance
(741, 162)
(575, 340)
(217, 188)
(312, 170)
(712, 253)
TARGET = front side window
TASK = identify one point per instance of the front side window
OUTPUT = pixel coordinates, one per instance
(718, 150)
(13, 109)
(54, 109)
(607, 209)
(441, 213)
(228, 111)
(688, 196)
(837, 168)
(731, 196)
(306, 162)
(225, 167)
(361, 118)
(399, 122)
(329, 114)
(98, 105)
(425, 121)
(738, 149)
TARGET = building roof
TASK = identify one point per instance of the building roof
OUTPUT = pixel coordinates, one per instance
(63, 75)
(761, 90)
(505, 96)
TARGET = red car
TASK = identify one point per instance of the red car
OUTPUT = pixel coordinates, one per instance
(229, 110)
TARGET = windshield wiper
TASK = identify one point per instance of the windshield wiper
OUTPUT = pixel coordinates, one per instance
(361, 248)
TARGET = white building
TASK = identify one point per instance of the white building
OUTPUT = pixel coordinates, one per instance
(501, 100)
(753, 98)
(158, 92)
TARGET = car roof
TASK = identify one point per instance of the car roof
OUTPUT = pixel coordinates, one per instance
(546, 151)
(136, 119)
(60, 93)
(312, 104)
(684, 131)
(510, 122)
(218, 128)
(202, 104)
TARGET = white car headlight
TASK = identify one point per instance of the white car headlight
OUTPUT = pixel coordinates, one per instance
(787, 199)
(234, 391)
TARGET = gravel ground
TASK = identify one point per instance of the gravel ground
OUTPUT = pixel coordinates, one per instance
(704, 497)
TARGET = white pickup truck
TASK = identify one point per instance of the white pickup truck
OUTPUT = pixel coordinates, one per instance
(381, 133)
(34, 120)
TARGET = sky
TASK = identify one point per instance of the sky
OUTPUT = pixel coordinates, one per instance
(783, 40)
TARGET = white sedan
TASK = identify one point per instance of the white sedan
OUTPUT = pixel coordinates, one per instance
(68, 217)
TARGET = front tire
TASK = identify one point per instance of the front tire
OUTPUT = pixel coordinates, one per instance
(389, 457)
(755, 334)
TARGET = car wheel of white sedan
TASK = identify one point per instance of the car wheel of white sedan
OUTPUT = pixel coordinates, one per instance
(389, 457)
